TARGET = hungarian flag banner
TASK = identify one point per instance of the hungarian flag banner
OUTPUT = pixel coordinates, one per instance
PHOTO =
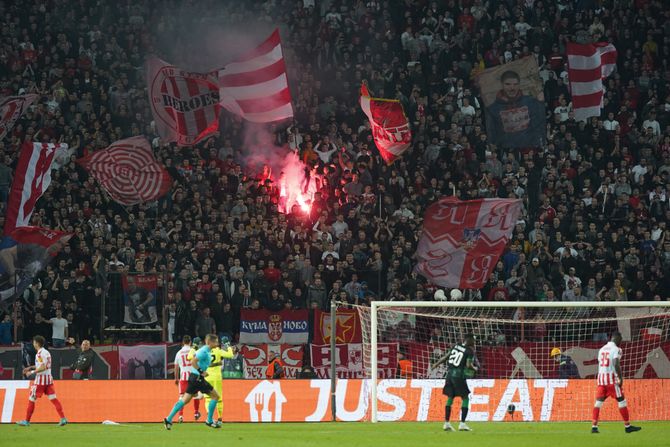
(23, 254)
(11, 109)
(347, 323)
(462, 240)
(185, 105)
(588, 65)
(31, 180)
(255, 85)
(128, 171)
(390, 127)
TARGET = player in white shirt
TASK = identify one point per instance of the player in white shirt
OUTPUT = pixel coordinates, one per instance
(610, 382)
(43, 383)
(182, 367)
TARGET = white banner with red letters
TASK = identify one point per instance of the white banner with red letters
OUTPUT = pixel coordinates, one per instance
(350, 360)
(256, 359)
(185, 105)
(462, 240)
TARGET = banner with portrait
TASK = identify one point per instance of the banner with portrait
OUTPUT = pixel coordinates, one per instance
(513, 96)
(139, 297)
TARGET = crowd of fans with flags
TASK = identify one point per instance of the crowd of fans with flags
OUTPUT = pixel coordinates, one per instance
(596, 196)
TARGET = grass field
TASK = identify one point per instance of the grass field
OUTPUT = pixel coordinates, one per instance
(405, 434)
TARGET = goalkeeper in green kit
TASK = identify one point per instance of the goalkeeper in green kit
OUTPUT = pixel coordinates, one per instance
(462, 364)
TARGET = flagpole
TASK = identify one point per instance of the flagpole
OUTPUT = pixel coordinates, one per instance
(379, 273)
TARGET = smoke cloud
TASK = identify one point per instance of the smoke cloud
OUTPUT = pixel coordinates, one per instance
(297, 184)
(204, 36)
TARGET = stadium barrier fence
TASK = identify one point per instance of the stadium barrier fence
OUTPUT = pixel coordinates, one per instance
(309, 400)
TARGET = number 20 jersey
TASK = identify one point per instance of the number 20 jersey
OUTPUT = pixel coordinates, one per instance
(458, 360)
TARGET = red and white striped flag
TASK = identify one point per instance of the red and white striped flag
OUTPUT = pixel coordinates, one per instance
(588, 65)
(390, 127)
(255, 86)
(31, 179)
(185, 105)
(462, 240)
(11, 109)
(128, 171)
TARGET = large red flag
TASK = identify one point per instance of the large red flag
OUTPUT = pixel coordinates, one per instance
(255, 86)
(31, 180)
(23, 253)
(588, 65)
(390, 127)
(128, 171)
(185, 105)
(462, 240)
(11, 109)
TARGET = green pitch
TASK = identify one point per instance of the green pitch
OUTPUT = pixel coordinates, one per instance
(402, 434)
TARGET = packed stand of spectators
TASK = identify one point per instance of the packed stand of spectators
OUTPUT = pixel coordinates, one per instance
(596, 196)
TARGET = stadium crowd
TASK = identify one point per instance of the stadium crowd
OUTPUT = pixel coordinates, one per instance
(596, 196)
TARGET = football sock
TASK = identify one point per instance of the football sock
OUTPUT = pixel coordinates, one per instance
(210, 410)
(447, 409)
(196, 405)
(178, 406)
(623, 409)
(219, 407)
(464, 409)
(31, 409)
(596, 412)
(59, 407)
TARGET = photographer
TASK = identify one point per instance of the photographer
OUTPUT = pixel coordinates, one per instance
(83, 366)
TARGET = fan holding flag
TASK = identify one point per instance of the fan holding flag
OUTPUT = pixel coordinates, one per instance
(390, 127)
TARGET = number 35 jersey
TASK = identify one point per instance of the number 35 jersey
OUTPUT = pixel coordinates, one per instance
(606, 359)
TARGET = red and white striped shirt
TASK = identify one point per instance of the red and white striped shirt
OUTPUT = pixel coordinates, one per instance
(606, 359)
(43, 358)
(181, 360)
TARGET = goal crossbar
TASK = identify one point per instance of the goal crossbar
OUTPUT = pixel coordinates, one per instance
(376, 305)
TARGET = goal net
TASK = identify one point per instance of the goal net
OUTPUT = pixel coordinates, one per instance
(536, 362)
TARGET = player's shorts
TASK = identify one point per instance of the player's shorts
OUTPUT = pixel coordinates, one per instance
(456, 386)
(37, 391)
(216, 382)
(613, 391)
(183, 384)
(198, 383)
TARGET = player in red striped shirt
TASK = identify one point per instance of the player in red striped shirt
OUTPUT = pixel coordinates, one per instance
(43, 383)
(610, 382)
(182, 368)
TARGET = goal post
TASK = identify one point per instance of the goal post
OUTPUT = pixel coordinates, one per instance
(515, 340)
